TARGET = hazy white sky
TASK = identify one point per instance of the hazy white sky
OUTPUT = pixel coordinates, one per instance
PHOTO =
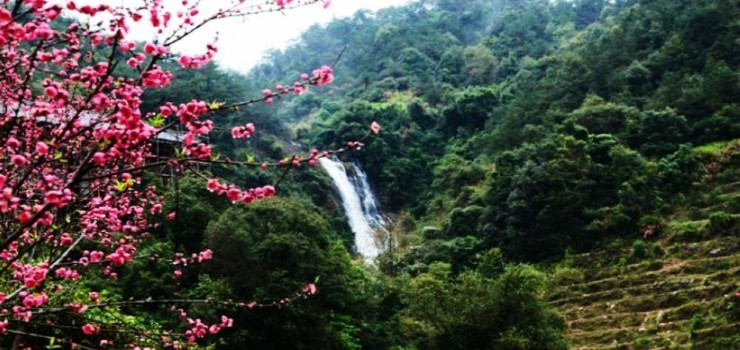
(243, 41)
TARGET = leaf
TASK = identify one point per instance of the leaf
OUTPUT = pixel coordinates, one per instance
(52, 344)
(214, 105)
(120, 186)
(250, 158)
(156, 121)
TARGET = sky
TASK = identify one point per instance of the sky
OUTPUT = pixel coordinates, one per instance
(242, 42)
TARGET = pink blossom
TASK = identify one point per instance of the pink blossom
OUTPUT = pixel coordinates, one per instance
(90, 329)
(233, 194)
(65, 240)
(5, 15)
(226, 322)
(375, 127)
(12, 142)
(269, 190)
(205, 255)
(25, 217)
(213, 185)
(99, 158)
(35, 300)
(54, 198)
(323, 75)
(18, 160)
(132, 62)
(185, 61)
(150, 48)
(96, 256)
(42, 148)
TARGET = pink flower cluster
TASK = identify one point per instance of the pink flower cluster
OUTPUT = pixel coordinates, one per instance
(242, 132)
(66, 274)
(323, 75)
(235, 194)
(179, 258)
(197, 61)
(90, 329)
(33, 300)
(75, 141)
(198, 329)
(30, 275)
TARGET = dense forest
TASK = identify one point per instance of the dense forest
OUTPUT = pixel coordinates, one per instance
(516, 134)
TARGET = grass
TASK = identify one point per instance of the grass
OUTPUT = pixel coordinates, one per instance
(715, 148)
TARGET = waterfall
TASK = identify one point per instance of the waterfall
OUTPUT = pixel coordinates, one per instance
(360, 206)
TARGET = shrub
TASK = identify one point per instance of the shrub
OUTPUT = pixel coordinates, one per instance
(687, 231)
(720, 222)
(567, 275)
(640, 249)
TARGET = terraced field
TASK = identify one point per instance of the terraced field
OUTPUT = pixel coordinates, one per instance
(672, 303)
(682, 296)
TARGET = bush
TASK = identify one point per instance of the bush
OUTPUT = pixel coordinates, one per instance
(720, 222)
(656, 250)
(687, 231)
(567, 275)
(640, 250)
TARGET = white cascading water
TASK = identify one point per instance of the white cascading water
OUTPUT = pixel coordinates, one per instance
(360, 206)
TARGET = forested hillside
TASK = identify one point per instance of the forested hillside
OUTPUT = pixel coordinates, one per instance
(528, 131)
(557, 174)
(516, 135)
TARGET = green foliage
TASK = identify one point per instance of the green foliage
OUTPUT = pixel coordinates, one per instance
(273, 248)
(687, 231)
(511, 130)
(640, 250)
(721, 222)
(567, 275)
(492, 263)
(471, 311)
